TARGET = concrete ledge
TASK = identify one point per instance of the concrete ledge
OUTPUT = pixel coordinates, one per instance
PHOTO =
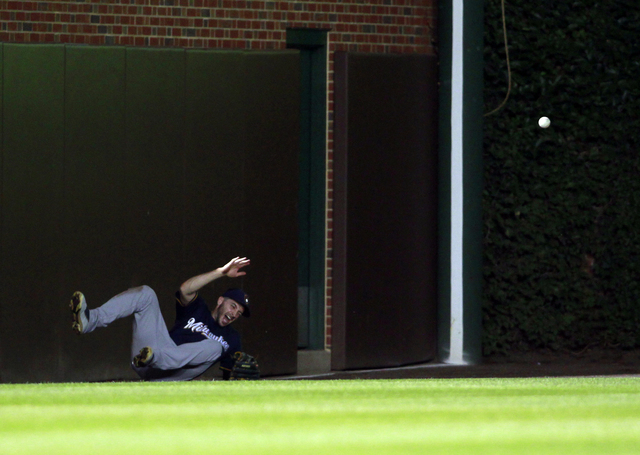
(314, 362)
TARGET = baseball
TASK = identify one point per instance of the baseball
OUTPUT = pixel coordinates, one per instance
(544, 122)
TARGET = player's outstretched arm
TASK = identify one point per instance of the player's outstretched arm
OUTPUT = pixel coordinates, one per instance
(190, 287)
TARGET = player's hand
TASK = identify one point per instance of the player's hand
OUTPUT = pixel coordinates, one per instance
(232, 269)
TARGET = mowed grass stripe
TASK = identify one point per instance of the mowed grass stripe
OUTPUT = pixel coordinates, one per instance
(544, 415)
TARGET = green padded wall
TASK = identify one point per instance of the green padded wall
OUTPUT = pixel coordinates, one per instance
(155, 81)
(213, 162)
(32, 179)
(272, 104)
(95, 199)
(385, 205)
(130, 166)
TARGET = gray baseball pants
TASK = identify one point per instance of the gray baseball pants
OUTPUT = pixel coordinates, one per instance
(170, 362)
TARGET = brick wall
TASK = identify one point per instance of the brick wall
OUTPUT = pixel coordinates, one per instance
(378, 26)
(363, 25)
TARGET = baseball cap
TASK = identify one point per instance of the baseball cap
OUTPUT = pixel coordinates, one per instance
(240, 297)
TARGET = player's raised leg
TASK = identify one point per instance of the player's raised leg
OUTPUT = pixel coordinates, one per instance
(149, 328)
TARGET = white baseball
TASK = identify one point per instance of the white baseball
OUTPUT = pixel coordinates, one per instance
(544, 122)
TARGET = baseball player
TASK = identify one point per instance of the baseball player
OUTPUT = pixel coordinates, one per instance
(199, 338)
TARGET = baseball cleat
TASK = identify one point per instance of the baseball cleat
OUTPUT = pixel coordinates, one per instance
(79, 312)
(144, 358)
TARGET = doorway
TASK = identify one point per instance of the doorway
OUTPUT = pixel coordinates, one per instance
(312, 44)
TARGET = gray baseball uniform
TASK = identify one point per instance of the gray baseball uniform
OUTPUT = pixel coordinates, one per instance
(170, 362)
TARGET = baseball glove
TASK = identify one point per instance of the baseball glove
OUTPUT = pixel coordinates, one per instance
(245, 368)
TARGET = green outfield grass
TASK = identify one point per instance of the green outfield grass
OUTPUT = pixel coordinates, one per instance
(434, 416)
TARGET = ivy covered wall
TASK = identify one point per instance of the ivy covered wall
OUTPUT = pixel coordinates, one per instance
(562, 204)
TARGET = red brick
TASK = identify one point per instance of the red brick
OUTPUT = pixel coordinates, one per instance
(361, 39)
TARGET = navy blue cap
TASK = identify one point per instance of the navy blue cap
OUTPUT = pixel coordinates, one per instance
(241, 297)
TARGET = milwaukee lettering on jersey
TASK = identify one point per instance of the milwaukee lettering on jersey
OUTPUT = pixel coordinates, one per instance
(200, 327)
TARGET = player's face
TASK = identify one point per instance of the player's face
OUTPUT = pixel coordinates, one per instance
(227, 311)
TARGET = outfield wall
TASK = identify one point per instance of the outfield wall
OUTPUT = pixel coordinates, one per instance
(156, 185)
(398, 27)
(374, 26)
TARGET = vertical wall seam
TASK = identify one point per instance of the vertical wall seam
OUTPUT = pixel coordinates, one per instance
(184, 138)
